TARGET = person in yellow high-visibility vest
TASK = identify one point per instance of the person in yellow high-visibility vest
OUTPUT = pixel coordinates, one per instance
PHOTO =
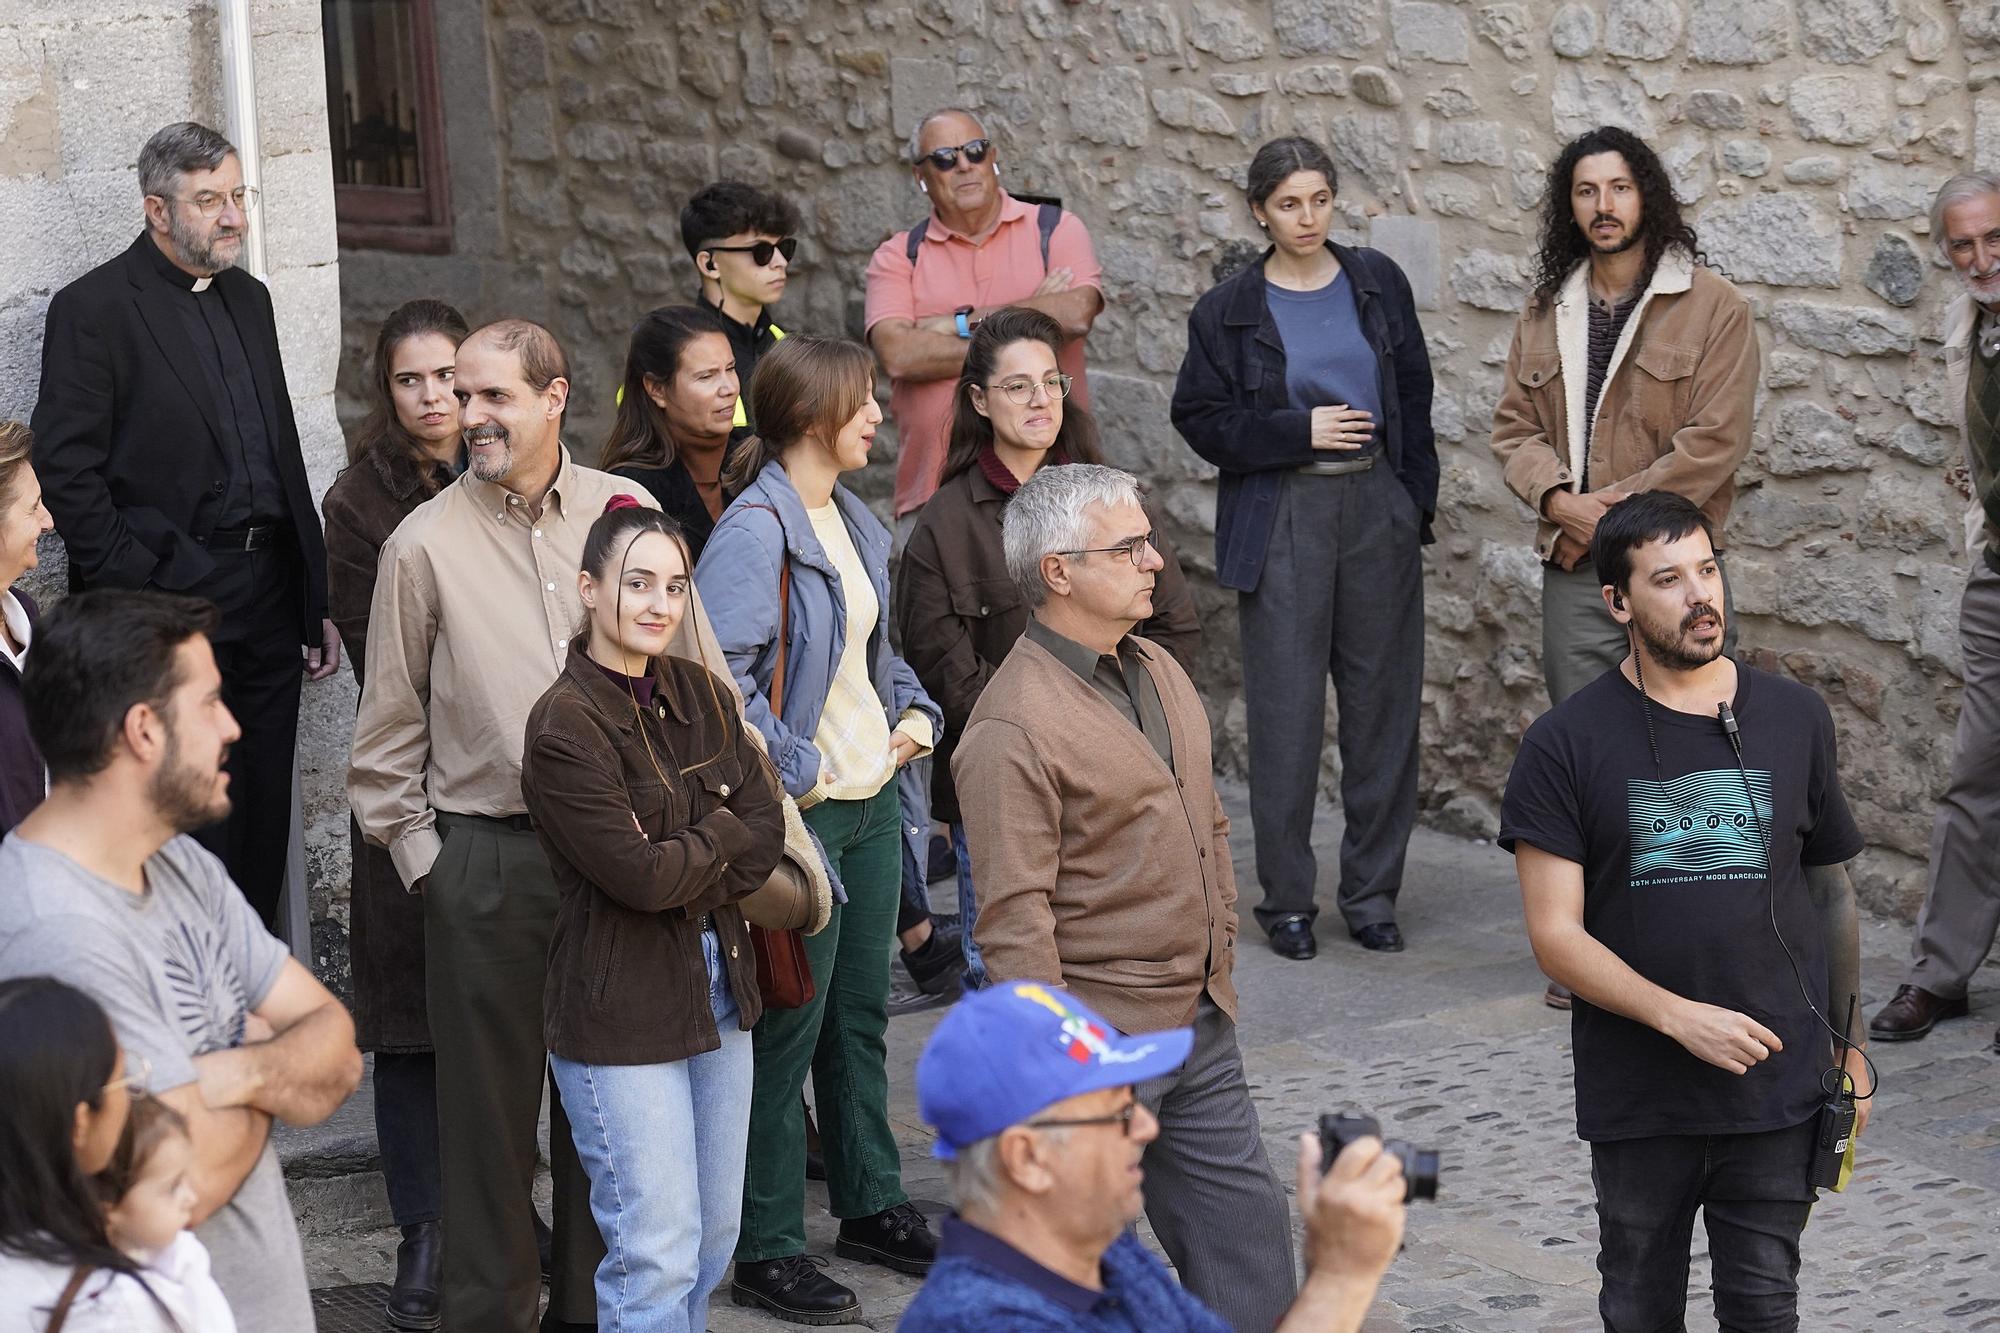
(741, 241)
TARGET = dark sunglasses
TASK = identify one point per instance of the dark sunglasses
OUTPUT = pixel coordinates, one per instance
(760, 253)
(944, 159)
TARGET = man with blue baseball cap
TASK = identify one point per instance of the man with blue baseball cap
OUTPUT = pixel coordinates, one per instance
(1033, 1100)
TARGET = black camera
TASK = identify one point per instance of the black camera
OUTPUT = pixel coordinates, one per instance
(1420, 1165)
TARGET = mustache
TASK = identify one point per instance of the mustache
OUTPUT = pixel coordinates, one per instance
(1703, 612)
(490, 433)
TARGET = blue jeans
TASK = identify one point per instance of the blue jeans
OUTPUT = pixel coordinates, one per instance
(664, 1146)
(1751, 1190)
(968, 911)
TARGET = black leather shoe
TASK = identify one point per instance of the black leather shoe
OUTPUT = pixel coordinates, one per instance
(413, 1298)
(938, 963)
(1382, 937)
(898, 1238)
(1912, 1013)
(1293, 938)
(795, 1291)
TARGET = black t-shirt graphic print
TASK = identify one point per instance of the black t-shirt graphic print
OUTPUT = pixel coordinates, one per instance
(1678, 884)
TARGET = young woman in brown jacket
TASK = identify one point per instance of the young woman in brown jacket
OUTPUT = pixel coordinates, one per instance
(958, 612)
(659, 814)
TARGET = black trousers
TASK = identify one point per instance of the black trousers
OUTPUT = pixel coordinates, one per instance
(257, 649)
(406, 1127)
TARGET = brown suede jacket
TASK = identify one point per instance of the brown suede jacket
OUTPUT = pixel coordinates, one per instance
(652, 818)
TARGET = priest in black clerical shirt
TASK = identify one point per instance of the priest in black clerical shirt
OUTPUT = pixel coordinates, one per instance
(168, 454)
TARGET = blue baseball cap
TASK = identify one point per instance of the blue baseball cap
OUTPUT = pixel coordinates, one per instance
(1006, 1052)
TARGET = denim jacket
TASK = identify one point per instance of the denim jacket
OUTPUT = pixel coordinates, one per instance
(738, 581)
(1232, 407)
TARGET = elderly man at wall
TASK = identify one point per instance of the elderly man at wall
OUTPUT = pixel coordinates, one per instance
(217, 1019)
(1102, 857)
(169, 456)
(1962, 908)
(474, 607)
(741, 240)
(1033, 1099)
(1654, 354)
(928, 287)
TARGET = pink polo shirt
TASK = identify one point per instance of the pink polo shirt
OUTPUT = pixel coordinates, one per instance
(951, 272)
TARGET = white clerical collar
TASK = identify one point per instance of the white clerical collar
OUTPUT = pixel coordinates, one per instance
(201, 284)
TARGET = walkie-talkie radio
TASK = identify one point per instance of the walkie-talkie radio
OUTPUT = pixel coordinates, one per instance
(1834, 1129)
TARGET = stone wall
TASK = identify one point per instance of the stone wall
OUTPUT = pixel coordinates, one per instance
(1805, 137)
(79, 96)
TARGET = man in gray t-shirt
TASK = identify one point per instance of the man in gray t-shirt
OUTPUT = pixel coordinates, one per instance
(103, 890)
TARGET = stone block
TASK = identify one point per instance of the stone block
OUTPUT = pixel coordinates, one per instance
(1929, 37)
(1783, 238)
(1377, 86)
(1313, 81)
(1806, 439)
(1770, 518)
(1424, 30)
(1472, 141)
(1717, 109)
(287, 120)
(1837, 108)
(1349, 28)
(1785, 368)
(1573, 31)
(1413, 243)
(1583, 101)
(1225, 31)
(1451, 195)
(531, 128)
(1138, 436)
(306, 305)
(596, 142)
(1643, 29)
(1688, 167)
(917, 88)
(115, 83)
(1900, 514)
(1986, 135)
(296, 211)
(1918, 443)
(1108, 106)
(1815, 171)
(859, 210)
(1186, 109)
(1842, 329)
(1738, 32)
(1455, 103)
(524, 58)
(1369, 144)
(1847, 32)
(1508, 28)
(1892, 193)
(1860, 596)
(1489, 280)
(1746, 157)
(1234, 83)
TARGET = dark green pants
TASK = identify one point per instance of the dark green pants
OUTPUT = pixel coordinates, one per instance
(841, 1036)
(489, 909)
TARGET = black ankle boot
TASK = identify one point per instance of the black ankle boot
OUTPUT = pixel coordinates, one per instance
(897, 1238)
(413, 1300)
(793, 1289)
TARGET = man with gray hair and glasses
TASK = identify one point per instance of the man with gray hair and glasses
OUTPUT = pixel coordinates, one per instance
(1962, 907)
(1101, 852)
(170, 460)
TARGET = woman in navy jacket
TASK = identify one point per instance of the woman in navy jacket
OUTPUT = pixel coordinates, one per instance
(1307, 383)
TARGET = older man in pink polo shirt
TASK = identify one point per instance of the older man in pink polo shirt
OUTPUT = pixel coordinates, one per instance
(980, 249)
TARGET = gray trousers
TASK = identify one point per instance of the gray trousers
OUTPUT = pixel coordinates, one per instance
(1342, 592)
(1213, 1200)
(1962, 907)
(1580, 640)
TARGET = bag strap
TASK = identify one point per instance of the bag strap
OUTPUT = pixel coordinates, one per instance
(1046, 219)
(68, 1297)
(777, 690)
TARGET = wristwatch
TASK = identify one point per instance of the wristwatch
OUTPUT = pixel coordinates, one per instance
(963, 318)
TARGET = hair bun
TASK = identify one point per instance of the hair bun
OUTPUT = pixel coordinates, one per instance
(620, 501)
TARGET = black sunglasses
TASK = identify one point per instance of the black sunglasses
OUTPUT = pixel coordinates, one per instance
(944, 159)
(760, 253)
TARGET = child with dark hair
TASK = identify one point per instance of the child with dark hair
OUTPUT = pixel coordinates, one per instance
(742, 242)
(148, 1206)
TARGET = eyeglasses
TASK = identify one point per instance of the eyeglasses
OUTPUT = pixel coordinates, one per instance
(209, 202)
(1134, 550)
(944, 159)
(132, 1083)
(1122, 1117)
(1023, 391)
(760, 253)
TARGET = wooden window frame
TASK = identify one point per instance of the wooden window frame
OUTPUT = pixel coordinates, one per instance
(380, 217)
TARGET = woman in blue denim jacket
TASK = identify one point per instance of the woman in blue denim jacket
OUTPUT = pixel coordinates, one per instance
(1307, 383)
(798, 569)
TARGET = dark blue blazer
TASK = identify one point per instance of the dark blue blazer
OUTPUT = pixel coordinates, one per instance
(1231, 406)
(22, 777)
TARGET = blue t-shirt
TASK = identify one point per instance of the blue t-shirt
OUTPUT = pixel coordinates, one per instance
(1328, 359)
(981, 1284)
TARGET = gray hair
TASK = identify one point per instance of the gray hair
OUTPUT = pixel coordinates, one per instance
(175, 151)
(1046, 516)
(917, 131)
(975, 1178)
(1957, 190)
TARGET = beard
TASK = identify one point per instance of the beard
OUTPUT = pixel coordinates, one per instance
(1672, 649)
(490, 467)
(183, 792)
(1619, 246)
(1983, 289)
(198, 246)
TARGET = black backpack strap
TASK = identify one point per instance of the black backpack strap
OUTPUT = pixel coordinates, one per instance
(916, 241)
(1046, 218)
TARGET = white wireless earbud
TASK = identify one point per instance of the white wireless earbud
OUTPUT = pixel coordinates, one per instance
(925, 186)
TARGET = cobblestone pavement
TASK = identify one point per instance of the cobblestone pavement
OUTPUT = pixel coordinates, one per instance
(1449, 1045)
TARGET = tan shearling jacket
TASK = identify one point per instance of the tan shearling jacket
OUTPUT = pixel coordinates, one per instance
(1098, 868)
(1676, 410)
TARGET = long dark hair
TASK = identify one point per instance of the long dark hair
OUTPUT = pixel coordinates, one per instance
(640, 436)
(972, 432)
(383, 430)
(1564, 244)
(56, 1050)
(805, 387)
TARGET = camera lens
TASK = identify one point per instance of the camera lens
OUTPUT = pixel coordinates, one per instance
(1420, 1171)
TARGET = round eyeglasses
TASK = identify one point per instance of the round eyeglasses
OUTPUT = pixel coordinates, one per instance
(760, 252)
(1023, 390)
(1133, 550)
(209, 203)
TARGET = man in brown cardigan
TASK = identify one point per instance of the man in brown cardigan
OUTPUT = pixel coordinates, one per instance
(1102, 857)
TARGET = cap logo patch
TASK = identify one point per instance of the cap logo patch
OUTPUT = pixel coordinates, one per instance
(1081, 1039)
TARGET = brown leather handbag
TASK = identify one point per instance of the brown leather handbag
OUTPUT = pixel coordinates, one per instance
(784, 977)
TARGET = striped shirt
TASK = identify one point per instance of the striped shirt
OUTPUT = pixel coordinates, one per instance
(1607, 323)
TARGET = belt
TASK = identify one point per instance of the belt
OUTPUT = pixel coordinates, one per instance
(257, 537)
(1338, 467)
(518, 823)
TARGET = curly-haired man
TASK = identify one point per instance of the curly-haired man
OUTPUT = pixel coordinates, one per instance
(1652, 352)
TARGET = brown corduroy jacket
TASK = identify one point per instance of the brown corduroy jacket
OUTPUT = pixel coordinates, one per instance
(1097, 867)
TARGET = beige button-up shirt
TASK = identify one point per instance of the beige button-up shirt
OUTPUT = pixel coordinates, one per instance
(475, 604)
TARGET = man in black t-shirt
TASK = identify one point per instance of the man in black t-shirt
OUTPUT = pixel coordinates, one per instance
(1655, 859)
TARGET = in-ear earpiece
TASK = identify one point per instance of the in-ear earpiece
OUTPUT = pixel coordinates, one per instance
(1618, 600)
(925, 186)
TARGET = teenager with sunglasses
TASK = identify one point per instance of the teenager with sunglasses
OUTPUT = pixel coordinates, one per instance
(742, 243)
